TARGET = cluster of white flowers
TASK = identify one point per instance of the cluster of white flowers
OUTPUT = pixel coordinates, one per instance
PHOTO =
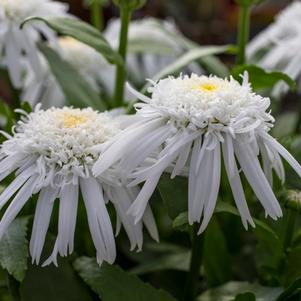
(187, 127)
(52, 153)
(182, 129)
(277, 47)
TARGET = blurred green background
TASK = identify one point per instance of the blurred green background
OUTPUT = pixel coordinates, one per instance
(204, 21)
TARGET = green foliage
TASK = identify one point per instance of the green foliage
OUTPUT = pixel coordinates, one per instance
(261, 79)
(77, 90)
(217, 261)
(14, 249)
(53, 284)
(292, 290)
(245, 297)
(130, 4)
(248, 2)
(174, 194)
(83, 32)
(7, 117)
(111, 283)
(231, 290)
(179, 261)
(293, 267)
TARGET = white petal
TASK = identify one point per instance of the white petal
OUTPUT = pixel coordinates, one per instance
(273, 143)
(99, 220)
(255, 176)
(15, 185)
(235, 183)
(17, 204)
(215, 183)
(127, 141)
(67, 219)
(41, 222)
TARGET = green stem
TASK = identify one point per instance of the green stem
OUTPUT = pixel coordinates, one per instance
(13, 287)
(192, 281)
(96, 14)
(243, 32)
(125, 15)
(289, 229)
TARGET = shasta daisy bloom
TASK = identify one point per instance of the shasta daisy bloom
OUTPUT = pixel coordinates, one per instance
(18, 44)
(89, 63)
(277, 47)
(51, 154)
(185, 127)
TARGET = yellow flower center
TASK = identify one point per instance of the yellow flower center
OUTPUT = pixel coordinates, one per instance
(72, 120)
(207, 87)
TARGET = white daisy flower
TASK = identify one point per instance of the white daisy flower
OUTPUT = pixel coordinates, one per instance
(86, 60)
(18, 44)
(278, 46)
(51, 153)
(184, 126)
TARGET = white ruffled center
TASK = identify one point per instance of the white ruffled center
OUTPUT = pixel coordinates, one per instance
(204, 101)
(61, 139)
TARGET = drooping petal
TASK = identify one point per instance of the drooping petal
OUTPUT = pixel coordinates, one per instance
(99, 220)
(17, 204)
(215, 183)
(235, 182)
(41, 222)
(255, 176)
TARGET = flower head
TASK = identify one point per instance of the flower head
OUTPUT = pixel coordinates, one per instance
(52, 154)
(17, 45)
(183, 129)
(277, 47)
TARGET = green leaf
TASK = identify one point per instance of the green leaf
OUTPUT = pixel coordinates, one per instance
(261, 79)
(83, 32)
(145, 45)
(291, 290)
(212, 64)
(285, 125)
(178, 262)
(76, 89)
(14, 250)
(229, 291)
(53, 283)
(189, 57)
(293, 267)
(216, 261)
(130, 4)
(111, 283)
(245, 297)
(7, 117)
(249, 2)
(174, 194)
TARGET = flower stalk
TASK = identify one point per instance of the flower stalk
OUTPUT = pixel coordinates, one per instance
(125, 15)
(192, 281)
(289, 229)
(96, 14)
(243, 32)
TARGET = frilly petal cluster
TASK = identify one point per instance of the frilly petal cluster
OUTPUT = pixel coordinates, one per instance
(52, 153)
(186, 127)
